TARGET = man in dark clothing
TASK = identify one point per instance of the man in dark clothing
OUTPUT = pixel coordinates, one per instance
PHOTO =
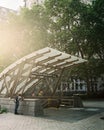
(17, 99)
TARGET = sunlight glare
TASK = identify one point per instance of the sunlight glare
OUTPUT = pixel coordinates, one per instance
(12, 4)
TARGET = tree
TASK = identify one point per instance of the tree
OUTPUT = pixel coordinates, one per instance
(70, 25)
(24, 33)
(78, 28)
(32, 27)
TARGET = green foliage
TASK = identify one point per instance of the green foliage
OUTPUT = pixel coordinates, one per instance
(78, 28)
(24, 33)
(32, 25)
(68, 25)
(3, 110)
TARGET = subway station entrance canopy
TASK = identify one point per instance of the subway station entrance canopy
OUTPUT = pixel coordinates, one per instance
(27, 73)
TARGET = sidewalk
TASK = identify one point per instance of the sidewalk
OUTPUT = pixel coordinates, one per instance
(87, 118)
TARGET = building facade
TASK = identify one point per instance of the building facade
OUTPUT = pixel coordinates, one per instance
(77, 85)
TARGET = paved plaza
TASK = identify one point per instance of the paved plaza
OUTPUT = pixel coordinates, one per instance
(87, 118)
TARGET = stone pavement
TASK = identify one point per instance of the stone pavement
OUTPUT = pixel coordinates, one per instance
(87, 118)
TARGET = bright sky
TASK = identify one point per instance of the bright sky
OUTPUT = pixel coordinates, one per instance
(12, 4)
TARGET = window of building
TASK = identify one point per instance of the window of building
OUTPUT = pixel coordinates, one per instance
(72, 86)
(81, 86)
(76, 86)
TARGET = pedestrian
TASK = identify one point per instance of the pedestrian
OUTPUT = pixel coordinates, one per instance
(17, 100)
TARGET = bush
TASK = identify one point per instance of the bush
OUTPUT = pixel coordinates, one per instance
(3, 110)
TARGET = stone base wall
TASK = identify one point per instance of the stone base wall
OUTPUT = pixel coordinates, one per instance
(27, 107)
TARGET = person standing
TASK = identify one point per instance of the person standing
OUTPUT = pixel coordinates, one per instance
(17, 99)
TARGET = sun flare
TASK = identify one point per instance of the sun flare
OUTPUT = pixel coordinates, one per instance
(12, 4)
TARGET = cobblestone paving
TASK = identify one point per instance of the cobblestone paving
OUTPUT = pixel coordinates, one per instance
(9, 121)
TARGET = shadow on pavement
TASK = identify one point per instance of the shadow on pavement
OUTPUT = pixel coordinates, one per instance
(70, 114)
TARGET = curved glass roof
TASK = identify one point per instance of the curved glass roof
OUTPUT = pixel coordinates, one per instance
(28, 71)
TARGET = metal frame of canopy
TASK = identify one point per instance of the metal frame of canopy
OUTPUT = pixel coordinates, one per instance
(29, 71)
